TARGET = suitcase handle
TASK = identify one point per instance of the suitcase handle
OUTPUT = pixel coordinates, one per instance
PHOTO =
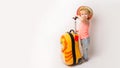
(72, 31)
(75, 18)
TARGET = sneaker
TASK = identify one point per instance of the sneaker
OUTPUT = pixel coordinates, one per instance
(85, 60)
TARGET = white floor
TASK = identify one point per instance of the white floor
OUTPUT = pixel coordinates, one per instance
(30, 32)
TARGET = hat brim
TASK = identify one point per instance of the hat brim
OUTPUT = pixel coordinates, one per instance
(85, 7)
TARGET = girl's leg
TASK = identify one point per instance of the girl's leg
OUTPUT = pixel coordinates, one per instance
(85, 43)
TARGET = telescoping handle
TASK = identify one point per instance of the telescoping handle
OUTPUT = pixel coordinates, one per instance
(75, 18)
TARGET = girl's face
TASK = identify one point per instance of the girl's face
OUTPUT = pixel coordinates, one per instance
(84, 14)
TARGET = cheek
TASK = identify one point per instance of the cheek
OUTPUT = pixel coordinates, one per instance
(87, 16)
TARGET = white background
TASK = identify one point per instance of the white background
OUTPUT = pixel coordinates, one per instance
(30, 33)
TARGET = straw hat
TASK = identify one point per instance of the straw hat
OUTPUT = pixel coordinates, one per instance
(83, 8)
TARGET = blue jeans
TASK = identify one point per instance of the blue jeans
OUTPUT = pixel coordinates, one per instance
(85, 43)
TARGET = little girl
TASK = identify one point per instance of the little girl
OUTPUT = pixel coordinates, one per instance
(84, 14)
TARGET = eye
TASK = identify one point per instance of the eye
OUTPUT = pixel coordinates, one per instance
(82, 14)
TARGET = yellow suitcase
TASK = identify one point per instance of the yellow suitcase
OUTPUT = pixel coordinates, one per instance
(70, 48)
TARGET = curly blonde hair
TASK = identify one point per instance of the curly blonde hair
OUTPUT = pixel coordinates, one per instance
(86, 8)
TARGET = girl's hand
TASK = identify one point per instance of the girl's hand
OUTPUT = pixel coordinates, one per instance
(83, 18)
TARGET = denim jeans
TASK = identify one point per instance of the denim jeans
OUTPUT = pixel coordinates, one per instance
(85, 43)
